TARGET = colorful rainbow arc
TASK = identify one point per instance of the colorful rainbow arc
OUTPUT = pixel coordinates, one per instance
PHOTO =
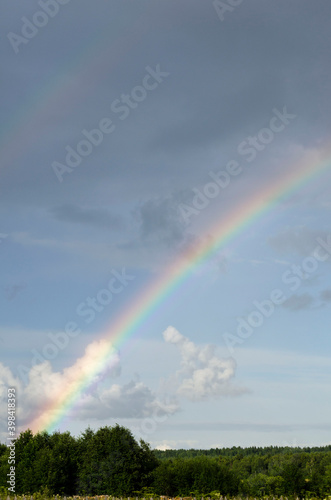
(123, 329)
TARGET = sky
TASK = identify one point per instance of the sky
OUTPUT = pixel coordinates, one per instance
(131, 135)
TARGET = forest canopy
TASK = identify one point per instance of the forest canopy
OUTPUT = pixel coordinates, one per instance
(110, 461)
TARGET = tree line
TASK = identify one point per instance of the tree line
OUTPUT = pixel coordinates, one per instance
(235, 450)
(110, 461)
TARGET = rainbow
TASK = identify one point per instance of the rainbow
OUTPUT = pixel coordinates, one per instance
(127, 323)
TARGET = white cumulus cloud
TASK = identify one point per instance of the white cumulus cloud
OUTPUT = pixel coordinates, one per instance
(202, 374)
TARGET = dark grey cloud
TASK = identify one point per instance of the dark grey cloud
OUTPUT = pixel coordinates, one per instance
(11, 291)
(97, 217)
(325, 295)
(230, 92)
(297, 302)
(160, 222)
(225, 78)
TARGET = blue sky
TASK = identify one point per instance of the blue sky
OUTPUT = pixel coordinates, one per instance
(114, 117)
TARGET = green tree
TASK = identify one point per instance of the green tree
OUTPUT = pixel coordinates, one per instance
(164, 478)
(293, 474)
(62, 464)
(112, 462)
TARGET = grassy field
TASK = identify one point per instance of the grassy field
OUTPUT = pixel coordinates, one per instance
(210, 496)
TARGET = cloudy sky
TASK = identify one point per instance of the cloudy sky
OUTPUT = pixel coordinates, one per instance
(131, 133)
